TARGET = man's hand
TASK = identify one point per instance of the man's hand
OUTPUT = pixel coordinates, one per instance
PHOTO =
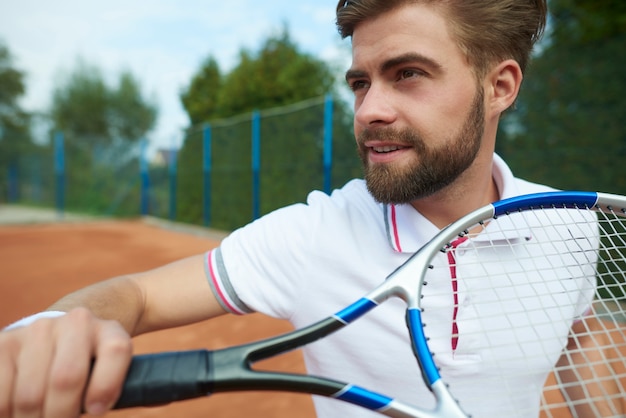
(54, 368)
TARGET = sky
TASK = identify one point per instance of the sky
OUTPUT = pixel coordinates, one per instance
(161, 42)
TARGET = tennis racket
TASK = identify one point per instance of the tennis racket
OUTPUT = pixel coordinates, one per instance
(517, 309)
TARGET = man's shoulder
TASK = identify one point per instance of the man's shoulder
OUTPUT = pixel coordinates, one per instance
(321, 210)
(527, 187)
(510, 185)
(345, 207)
(353, 193)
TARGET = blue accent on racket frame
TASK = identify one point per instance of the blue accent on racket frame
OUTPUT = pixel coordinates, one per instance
(560, 199)
(363, 397)
(425, 358)
(357, 309)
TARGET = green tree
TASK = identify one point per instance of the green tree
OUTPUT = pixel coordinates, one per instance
(200, 98)
(86, 109)
(278, 75)
(130, 115)
(102, 126)
(568, 130)
(15, 139)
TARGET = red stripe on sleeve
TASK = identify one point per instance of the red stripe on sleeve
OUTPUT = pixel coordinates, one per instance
(217, 285)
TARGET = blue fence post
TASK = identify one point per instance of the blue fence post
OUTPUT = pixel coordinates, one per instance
(328, 143)
(172, 170)
(145, 178)
(207, 166)
(35, 178)
(256, 164)
(59, 171)
(13, 179)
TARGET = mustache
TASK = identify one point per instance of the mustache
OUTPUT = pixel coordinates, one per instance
(405, 136)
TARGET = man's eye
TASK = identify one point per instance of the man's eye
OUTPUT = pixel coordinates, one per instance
(410, 74)
(358, 85)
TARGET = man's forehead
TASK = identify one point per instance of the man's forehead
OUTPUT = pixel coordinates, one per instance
(415, 27)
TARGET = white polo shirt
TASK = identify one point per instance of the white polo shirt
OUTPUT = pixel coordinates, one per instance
(305, 262)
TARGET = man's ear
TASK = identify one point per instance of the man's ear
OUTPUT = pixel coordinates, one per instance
(503, 83)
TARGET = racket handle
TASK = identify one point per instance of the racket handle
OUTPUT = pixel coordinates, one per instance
(158, 379)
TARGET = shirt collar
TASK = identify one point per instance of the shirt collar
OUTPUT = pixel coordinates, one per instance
(408, 230)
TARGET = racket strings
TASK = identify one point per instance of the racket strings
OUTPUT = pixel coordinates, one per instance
(594, 387)
(523, 279)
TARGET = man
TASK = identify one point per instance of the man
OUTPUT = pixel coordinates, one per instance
(431, 80)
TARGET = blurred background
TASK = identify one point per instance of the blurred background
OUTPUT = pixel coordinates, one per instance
(217, 114)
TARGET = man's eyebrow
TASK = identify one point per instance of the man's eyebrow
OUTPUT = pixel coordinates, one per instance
(408, 58)
(352, 74)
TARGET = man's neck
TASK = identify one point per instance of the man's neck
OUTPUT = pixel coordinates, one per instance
(458, 199)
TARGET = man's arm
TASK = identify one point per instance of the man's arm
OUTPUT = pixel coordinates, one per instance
(169, 296)
(46, 365)
(585, 373)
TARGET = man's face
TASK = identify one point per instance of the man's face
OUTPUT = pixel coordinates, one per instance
(419, 111)
(435, 166)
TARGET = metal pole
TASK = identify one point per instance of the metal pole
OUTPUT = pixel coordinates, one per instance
(207, 166)
(256, 164)
(328, 143)
(145, 178)
(59, 171)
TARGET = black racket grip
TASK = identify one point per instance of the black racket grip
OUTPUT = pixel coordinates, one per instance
(157, 379)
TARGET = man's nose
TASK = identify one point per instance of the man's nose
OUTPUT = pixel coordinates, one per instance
(376, 108)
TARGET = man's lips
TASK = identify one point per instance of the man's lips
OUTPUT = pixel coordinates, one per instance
(384, 146)
(380, 152)
(387, 148)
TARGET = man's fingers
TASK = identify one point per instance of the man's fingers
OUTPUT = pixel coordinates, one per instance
(7, 365)
(45, 367)
(113, 355)
(37, 351)
(69, 371)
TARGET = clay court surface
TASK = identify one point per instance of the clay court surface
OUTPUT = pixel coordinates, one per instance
(44, 260)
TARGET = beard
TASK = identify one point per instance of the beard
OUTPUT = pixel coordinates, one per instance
(433, 169)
